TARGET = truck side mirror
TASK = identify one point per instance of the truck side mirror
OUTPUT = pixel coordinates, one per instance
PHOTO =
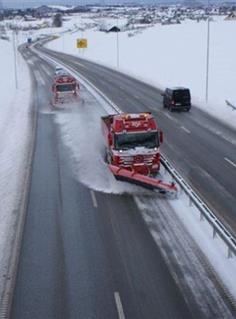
(161, 137)
(110, 139)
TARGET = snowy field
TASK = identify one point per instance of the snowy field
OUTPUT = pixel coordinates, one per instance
(14, 132)
(173, 55)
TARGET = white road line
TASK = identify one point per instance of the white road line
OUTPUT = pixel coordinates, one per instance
(169, 117)
(230, 162)
(46, 70)
(39, 77)
(119, 305)
(185, 129)
(80, 64)
(95, 203)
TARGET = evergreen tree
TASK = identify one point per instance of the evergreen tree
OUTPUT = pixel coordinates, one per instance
(57, 20)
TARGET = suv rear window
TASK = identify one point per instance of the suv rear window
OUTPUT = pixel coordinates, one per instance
(179, 94)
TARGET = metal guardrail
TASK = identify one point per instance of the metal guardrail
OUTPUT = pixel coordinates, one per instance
(205, 212)
(218, 229)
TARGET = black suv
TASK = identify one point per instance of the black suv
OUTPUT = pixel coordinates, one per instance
(177, 98)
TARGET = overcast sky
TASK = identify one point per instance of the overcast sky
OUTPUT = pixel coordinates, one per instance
(33, 3)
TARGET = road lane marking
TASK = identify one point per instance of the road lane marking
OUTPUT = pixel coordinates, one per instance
(169, 117)
(95, 203)
(185, 129)
(230, 162)
(39, 77)
(119, 305)
(46, 70)
(80, 64)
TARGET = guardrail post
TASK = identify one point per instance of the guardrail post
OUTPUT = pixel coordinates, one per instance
(165, 169)
(190, 201)
(173, 180)
(214, 232)
(180, 190)
(230, 254)
(201, 216)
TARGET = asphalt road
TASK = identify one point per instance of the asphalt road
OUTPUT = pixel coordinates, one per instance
(199, 146)
(87, 254)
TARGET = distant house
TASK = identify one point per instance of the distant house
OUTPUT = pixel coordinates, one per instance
(80, 9)
(106, 27)
(29, 18)
(45, 10)
(114, 29)
(170, 21)
(231, 16)
(146, 20)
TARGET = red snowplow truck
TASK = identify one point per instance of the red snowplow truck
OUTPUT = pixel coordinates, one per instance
(65, 89)
(133, 154)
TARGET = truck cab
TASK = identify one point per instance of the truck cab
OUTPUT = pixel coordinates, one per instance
(64, 88)
(133, 142)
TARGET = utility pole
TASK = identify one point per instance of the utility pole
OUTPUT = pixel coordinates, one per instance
(1, 11)
(117, 46)
(208, 52)
(15, 62)
(63, 41)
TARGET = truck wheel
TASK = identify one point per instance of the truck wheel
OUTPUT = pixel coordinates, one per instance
(107, 158)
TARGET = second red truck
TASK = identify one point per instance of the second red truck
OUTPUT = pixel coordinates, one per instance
(65, 88)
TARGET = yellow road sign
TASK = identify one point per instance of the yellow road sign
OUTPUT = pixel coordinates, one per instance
(82, 43)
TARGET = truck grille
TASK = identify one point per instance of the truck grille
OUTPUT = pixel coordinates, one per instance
(142, 159)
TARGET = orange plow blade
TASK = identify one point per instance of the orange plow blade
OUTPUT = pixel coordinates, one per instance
(142, 180)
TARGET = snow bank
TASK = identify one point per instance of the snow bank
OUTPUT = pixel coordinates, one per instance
(14, 137)
(170, 56)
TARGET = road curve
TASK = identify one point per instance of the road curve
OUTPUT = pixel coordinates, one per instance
(199, 146)
(87, 254)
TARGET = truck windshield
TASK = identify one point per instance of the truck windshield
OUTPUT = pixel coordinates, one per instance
(126, 141)
(65, 88)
